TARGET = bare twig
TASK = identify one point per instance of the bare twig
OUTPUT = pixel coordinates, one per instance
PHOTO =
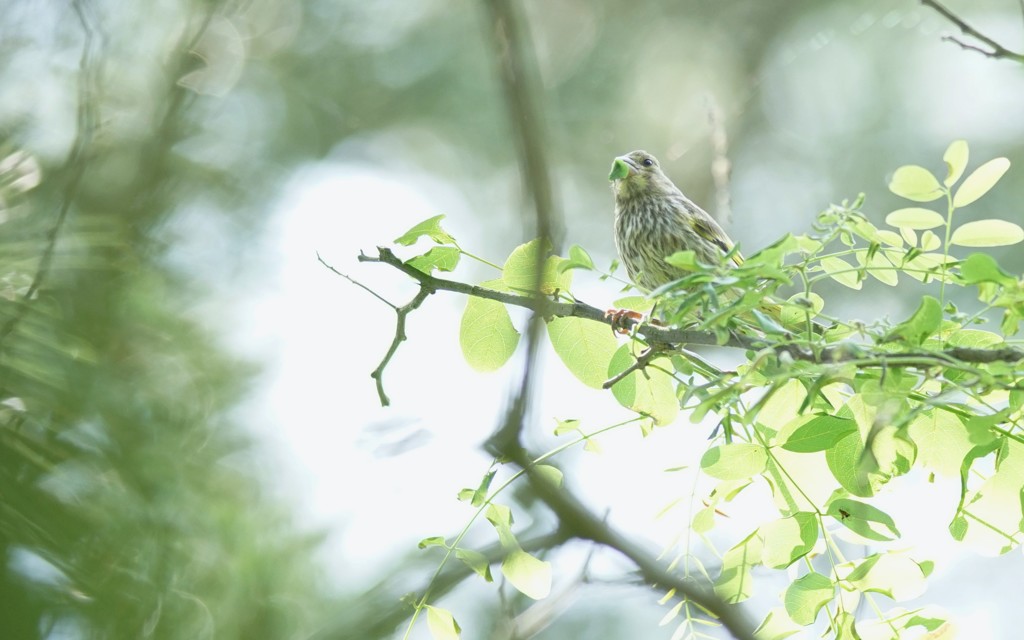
(402, 312)
(995, 49)
(356, 282)
(641, 362)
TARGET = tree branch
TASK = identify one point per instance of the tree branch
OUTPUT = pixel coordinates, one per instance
(659, 335)
(995, 50)
(400, 337)
(574, 518)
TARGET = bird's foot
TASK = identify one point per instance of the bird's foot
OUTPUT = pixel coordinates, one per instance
(623, 320)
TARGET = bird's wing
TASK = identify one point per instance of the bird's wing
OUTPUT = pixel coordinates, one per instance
(708, 229)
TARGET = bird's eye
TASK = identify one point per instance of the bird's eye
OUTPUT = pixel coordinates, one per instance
(647, 162)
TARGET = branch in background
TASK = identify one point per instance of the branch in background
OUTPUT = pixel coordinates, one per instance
(721, 167)
(518, 73)
(995, 49)
(575, 519)
(378, 611)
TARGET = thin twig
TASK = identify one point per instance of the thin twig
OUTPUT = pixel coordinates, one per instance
(641, 362)
(357, 283)
(997, 50)
(402, 312)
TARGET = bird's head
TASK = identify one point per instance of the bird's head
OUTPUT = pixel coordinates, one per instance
(636, 173)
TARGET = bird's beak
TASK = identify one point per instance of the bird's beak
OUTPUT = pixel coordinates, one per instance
(621, 169)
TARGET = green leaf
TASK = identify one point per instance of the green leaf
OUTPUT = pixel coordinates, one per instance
(619, 169)
(930, 241)
(430, 227)
(846, 626)
(441, 258)
(553, 475)
(930, 624)
(480, 493)
(566, 426)
(890, 238)
(641, 304)
(500, 517)
(777, 625)
(841, 271)
(956, 161)
(685, 260)
(878, 266)
(530, 576)
(981, 267)
(914, 218)
(821, 433)
(799, 307)
(843, 461)
(519, 272)
(442, 624)
(704, 521)
(734, 461)
(650, 392)
(579, 255)
(584, 346)
(928, 262)
(991, 502)
(788, 539)
(915, 183)
(980, 181)
(921, 325)
(863, 519)
(974, 339)
(735, 584)
(942, 441)
(486, 334)
(432, 541)
(476, 561)
(891, 574)
(987, 233)
(806, 596)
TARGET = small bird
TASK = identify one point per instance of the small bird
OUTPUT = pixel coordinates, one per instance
(653, 219)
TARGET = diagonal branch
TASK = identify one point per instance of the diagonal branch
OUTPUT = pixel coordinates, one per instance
(400, 337)
(995, 49)
(577, 520)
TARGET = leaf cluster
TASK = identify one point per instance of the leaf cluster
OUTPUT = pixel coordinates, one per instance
(826, 411)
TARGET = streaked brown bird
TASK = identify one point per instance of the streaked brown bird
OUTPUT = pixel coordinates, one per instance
(653, 219)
